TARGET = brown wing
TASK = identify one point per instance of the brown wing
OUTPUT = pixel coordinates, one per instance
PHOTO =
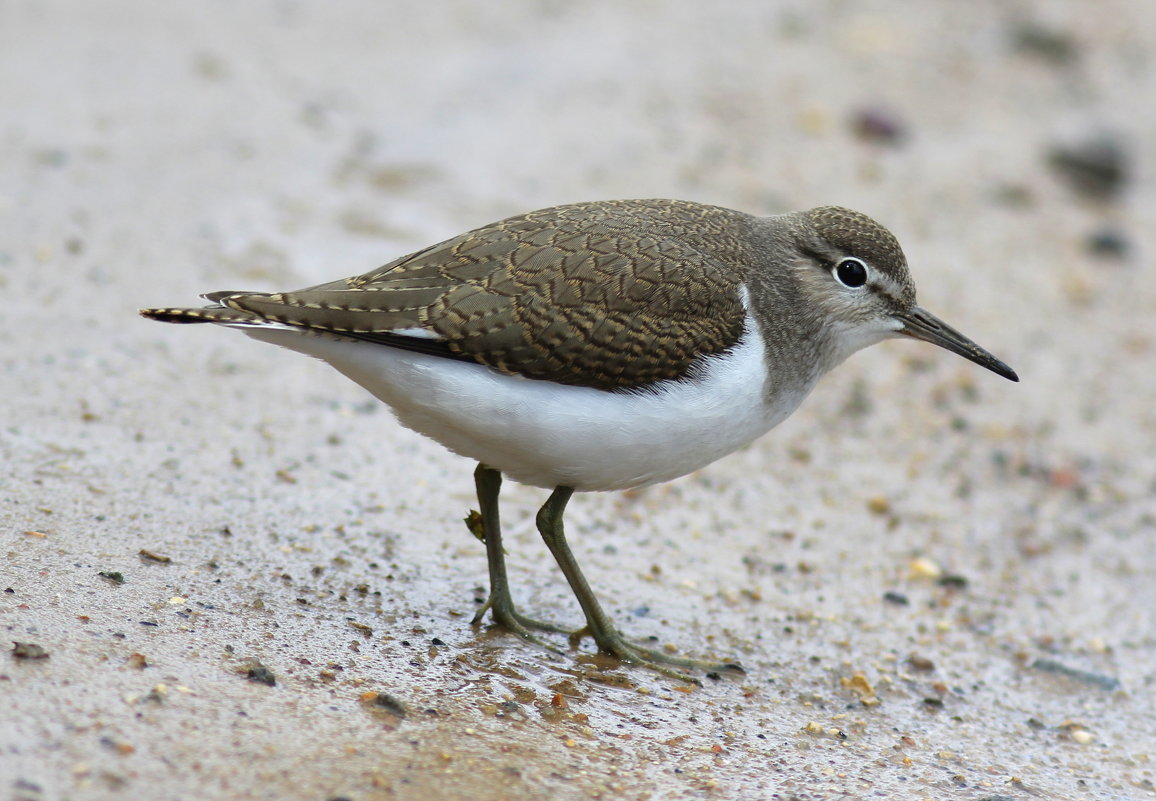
(610, 294)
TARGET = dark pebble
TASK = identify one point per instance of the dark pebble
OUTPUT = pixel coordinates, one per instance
(261, 674)
(879, 126)
(1109, 243)
(1096, 168)
(896, 598)
(388, 703)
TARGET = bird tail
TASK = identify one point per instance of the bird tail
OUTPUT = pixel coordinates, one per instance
(209, 314)
(216, 313)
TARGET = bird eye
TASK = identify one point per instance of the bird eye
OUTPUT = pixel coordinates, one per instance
(850, 272)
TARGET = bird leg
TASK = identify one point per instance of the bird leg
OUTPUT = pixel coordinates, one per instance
(598, 625)
(499, 603)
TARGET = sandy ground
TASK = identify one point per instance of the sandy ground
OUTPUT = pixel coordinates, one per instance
(942, 584)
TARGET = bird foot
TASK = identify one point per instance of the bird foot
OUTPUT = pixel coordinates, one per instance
(504, 614)
(613, 644)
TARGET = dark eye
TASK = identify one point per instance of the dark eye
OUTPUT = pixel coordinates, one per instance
(851, 272)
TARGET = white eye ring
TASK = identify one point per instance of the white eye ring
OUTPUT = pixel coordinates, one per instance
(851, 272)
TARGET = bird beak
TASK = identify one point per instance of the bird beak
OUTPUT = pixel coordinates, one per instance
(921, 324)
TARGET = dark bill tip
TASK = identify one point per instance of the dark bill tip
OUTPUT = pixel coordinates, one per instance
(922, 324)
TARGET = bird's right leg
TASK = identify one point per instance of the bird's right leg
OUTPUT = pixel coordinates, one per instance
(598, 624)
(500, 604)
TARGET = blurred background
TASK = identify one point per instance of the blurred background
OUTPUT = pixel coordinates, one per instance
(153, 151)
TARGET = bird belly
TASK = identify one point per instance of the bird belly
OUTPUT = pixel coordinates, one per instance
(548, 435)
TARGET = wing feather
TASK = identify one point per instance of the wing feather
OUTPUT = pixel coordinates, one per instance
(607, 295)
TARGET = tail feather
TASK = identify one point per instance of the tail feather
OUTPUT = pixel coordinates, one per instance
(417, 340)
(209, 314)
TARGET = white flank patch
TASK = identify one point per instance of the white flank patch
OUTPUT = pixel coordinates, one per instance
(549, 435)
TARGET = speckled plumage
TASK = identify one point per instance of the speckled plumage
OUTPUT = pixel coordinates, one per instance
(607, 295)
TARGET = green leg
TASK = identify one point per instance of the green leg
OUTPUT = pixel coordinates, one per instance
(500, 604)
(598, 625)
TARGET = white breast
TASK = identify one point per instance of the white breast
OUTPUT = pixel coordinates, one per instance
(550, 435)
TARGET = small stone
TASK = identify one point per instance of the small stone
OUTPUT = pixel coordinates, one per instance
(920, 663)
(1108, 243)
(878, 125)
(365, 630)
(28, 650)
(386, 703)
(859, 684)
(260, 674)
(1097, 167)
(923, 568)
(953, 581)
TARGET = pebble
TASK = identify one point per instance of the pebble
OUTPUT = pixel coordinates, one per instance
(1108, 243)
(923, 568)
(878, 125)
(1097, 167)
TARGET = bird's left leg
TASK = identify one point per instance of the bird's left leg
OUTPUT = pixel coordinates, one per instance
(500, 603)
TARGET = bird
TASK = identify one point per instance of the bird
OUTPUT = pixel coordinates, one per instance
(598, 346)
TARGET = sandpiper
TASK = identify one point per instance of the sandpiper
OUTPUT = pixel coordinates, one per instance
(602, 346)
